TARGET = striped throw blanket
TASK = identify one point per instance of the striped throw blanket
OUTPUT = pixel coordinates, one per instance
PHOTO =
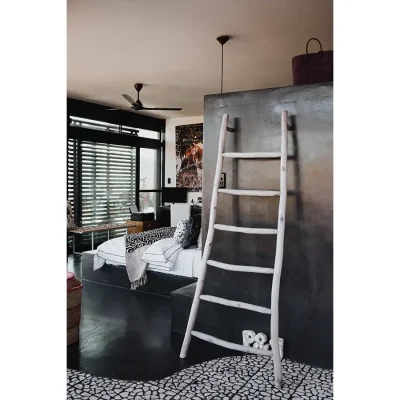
(135, 246)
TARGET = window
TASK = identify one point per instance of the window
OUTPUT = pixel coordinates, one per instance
(150, 185)
(72, 181)
(71, 172)
(108, 182)
(143, 132)
(107, 127)
(102, 182)
(104, 179)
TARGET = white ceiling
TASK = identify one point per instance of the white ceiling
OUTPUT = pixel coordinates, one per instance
(170, 46)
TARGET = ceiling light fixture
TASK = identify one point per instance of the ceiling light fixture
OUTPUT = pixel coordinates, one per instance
(222, 39)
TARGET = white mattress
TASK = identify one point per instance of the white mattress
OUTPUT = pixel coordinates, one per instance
(187, 263)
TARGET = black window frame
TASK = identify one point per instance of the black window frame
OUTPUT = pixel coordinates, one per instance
(122, 119)
(161, 163)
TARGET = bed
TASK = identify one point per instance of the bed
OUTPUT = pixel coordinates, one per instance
(186, 262)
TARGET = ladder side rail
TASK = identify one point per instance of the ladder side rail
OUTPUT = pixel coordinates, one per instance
(279, 254)
(209, 239)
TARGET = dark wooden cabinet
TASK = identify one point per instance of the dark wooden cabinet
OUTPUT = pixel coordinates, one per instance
(141, 226)
(163, 214)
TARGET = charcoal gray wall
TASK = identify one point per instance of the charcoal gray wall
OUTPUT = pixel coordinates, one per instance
(306, 300)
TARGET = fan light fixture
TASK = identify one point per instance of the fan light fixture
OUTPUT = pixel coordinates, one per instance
(137, 105)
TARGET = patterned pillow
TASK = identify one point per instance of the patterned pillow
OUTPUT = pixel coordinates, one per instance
(180, 232)
(187, 231)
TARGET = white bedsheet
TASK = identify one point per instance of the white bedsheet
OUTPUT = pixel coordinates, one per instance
(187, 262)
(162, 253)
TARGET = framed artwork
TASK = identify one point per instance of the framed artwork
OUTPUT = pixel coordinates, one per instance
(189, 156)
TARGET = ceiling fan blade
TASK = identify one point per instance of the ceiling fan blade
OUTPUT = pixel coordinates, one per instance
(162, 108)
(115, 109)
(129, 99)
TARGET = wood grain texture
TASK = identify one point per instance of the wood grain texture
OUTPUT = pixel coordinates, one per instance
(236, 304)
(240, 268)
(265, 155)
(244, 192)
(279, 255)
(241, 229)
(141, 226)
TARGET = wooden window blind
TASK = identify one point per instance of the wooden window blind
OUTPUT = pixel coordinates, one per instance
(101, 185)
(108, 183)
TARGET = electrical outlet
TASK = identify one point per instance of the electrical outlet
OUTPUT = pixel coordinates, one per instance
(222, 181)
(260, 341)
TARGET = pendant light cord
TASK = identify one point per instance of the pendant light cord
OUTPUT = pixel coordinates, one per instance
(222, 40)
(222, 67)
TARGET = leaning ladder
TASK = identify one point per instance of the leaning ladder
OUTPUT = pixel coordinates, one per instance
(276, 271)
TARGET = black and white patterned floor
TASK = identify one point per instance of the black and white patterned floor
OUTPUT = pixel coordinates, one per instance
(229, 378)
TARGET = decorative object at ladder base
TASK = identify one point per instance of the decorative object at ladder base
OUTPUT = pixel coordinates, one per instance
(260, 341)
(313, 68)
(74, 300)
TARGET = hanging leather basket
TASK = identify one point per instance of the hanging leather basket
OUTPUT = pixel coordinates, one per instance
(313, 67)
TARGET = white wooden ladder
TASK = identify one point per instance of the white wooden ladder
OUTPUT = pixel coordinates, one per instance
(276, 271)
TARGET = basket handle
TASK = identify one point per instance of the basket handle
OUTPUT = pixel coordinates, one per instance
(320, 46)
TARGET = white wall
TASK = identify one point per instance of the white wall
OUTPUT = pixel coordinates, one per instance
(170, 156)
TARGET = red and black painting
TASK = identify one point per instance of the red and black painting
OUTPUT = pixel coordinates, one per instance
(189, 156)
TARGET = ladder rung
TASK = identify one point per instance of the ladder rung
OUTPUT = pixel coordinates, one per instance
(236, 304)
(258, 231)
(240, 268)
(253, 155)
(230, 345)
(242, 192)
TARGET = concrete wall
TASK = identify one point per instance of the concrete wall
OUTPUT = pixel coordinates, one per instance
(170, 156)
(306, 301)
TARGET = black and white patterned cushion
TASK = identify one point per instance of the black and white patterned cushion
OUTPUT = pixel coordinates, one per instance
(187, 231)
(180, 232)
(146, 238)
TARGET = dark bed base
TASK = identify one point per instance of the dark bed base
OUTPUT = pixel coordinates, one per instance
(158, 283)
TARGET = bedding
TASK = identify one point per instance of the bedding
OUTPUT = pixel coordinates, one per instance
(163, 253)
(137, 268)
(112, 252)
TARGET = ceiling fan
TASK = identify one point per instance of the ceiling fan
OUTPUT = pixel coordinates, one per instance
(137, 105)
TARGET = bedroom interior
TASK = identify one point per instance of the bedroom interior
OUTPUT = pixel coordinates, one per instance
(144, 172)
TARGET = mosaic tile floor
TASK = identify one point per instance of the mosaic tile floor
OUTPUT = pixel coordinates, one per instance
(229, 378)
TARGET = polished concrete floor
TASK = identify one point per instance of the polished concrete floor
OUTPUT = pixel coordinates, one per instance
(126, 334)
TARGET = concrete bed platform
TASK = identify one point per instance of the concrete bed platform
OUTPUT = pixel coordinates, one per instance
(116, 275)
